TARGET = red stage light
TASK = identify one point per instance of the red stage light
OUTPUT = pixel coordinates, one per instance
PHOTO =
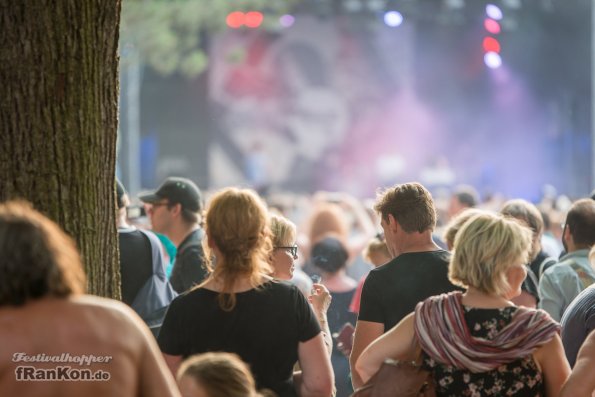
(235, 19)
(490, 44)
(253, 19)
(491, 26)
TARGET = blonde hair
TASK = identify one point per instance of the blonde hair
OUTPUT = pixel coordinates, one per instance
(237, 222)
(376, 246)
(592, 256)
(485, 247)
(456, 223)
(283, 231)
(219, 374)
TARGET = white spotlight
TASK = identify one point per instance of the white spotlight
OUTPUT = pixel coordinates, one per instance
(494, 12)
(393, 18)
(492, 60)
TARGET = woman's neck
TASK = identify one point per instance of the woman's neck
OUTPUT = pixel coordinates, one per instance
(338, 281)
(476, 298)
(241, 284)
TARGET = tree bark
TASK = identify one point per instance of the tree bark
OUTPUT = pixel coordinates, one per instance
(58, 121)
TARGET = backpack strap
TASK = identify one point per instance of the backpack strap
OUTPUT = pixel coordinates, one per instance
(153, 299)
(545, 264)
(195, 244)
(158, 261)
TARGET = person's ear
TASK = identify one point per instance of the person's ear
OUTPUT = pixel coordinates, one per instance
(210, 242)
(566, 235)
(176, 209)
(393, 225)
(515, 275)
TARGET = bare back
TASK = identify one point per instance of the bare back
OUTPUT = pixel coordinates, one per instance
(85, 345)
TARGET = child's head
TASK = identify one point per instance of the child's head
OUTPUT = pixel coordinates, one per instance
(376, 253)
(216, 375)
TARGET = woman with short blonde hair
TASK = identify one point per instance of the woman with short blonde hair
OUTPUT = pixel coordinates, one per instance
(282, 260)
(485, 248)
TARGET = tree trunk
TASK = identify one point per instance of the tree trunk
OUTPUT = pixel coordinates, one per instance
(58, 121)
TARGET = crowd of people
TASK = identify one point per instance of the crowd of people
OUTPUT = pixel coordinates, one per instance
(233, 294)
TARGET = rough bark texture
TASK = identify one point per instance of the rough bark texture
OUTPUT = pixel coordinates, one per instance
(58, 121)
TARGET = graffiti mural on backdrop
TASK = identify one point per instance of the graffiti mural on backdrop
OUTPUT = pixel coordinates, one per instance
(302, 113)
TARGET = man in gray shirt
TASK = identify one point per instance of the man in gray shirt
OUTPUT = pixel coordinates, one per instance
(561, 283)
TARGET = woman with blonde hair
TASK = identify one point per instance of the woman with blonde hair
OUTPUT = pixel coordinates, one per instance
(282, 260)
(285, 249)
(240, 309)
(478, 343)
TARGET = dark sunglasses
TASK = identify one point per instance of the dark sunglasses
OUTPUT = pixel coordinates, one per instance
(292, 250)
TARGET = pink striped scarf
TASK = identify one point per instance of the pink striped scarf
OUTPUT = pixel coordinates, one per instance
(443, 334)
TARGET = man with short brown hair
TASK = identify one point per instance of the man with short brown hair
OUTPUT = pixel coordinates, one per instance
(175, 211)
(419, 268)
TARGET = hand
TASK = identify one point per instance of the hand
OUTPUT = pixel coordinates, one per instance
(344, 339)
(320, 299)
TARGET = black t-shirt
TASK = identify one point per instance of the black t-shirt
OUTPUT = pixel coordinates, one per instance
(136, 258)
(264, 329)
(189, 267)
(391, 291)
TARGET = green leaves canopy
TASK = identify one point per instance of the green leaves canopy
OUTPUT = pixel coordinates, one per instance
(170, 35)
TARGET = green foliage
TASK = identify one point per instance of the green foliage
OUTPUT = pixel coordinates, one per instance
(170, 35)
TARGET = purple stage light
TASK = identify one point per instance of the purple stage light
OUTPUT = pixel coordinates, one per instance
(287, 20)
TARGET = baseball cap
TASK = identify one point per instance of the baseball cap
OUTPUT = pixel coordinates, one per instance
(176, 190)
(329, 254)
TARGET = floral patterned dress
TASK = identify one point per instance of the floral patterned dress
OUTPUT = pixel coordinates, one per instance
(518, 378)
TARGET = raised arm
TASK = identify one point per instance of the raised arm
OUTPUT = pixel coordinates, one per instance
(320, 299)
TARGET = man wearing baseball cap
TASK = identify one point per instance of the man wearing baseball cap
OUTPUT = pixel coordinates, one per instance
(175, 211)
